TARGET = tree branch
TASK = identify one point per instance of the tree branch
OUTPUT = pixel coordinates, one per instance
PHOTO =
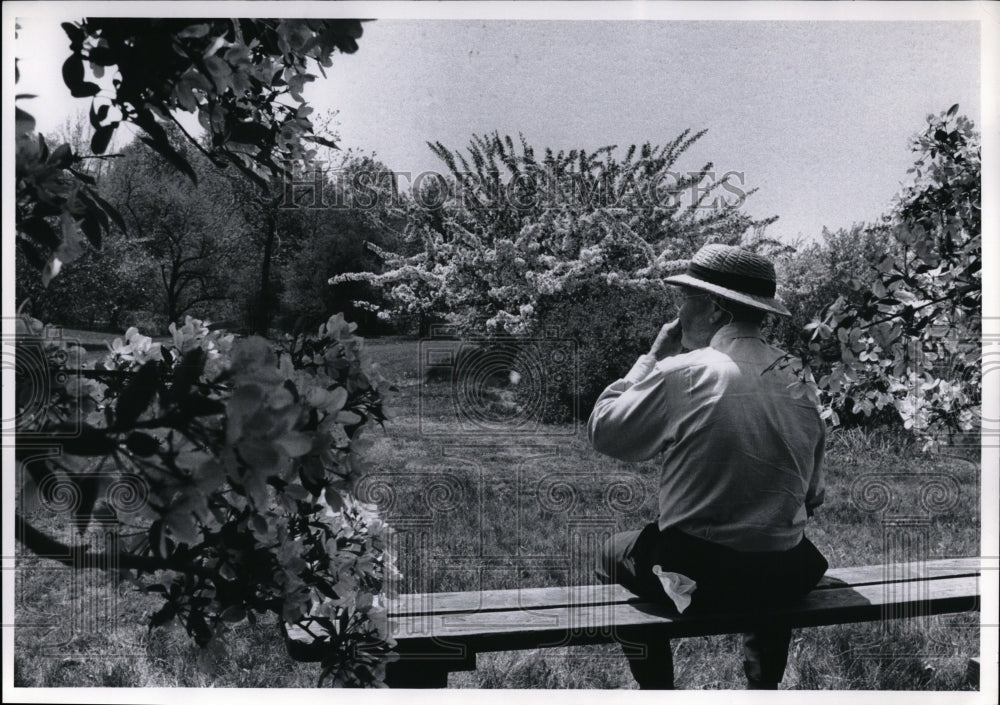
(45, 546)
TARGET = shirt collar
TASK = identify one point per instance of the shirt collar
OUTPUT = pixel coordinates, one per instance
(738, 329)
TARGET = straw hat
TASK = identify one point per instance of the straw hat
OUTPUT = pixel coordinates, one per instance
(735, 274)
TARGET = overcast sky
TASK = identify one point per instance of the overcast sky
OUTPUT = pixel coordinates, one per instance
(815, 114)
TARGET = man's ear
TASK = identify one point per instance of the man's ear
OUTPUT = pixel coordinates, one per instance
(717, 311)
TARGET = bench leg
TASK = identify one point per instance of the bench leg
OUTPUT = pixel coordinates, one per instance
(765, 655)
(972, 672)
(649, 658)
(410, 673)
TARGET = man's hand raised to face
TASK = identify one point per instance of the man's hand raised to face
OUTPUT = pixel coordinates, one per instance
(668, 340)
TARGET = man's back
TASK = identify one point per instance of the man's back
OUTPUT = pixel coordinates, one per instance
(741, 454)
(742, 462)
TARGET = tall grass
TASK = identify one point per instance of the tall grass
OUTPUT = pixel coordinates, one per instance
(498, 510)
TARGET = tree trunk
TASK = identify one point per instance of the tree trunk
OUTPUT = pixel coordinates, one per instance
(424, 325)
(261, 316)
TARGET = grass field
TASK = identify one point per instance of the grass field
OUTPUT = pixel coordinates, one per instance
(503, 502)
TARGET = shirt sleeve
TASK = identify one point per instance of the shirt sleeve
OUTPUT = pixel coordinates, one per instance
(817, 483)
(630, 419)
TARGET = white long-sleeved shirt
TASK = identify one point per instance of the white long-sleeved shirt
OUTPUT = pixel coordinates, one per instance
(742, 455)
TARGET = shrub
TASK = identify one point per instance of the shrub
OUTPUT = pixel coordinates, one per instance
(841, 263)
(608, 326)
(909, 342)
(237, 462)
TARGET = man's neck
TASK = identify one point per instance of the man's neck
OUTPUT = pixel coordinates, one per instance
(738, 329)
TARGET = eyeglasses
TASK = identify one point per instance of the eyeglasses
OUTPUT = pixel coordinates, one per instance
(685, 297)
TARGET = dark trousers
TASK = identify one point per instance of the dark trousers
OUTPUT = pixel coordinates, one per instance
(726, 579)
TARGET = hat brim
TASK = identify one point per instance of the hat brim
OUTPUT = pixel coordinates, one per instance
(764, 303)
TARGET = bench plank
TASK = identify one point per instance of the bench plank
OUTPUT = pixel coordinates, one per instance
(438, 633)
(564, 626)
(895, 572)
(554, 597)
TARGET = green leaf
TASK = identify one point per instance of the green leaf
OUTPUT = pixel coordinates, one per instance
(245, 400)
(88, 488)
(260, 525)
(75, 33)
(348, 418)
(210, 476)
(137, 395)
(260, 455)
(98, 113)
(198, 405)
(102, 138)
(295, 443)
(24, 123)
(197, 628)
(81, 176)
(91, 227)
(110, 211)
(163, 148)
(185, 97)
(88, 442)
(158, 539)
(255, 488)
(182, 527)
(233, 613)
(142, 444)
(70, 248)
(194, 31)
(72, 72)
(338, 397)
(297, 492)
(321, 140)
(218, 68)
(40, 231)
(291, 612)
(334, 499)
(61, 156)
(227, 571)
(249, 133)
(73, 77)
(102, 56)
(163, 615)
(187, 372)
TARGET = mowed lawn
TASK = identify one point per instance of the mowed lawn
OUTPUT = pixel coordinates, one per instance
(498, 500)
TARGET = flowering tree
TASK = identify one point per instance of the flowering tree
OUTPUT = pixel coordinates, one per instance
(514, 243)
(911, 341)
(513, 228)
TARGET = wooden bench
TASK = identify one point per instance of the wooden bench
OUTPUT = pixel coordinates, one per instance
(438, 633)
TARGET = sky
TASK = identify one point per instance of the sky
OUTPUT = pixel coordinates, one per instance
(815, 115)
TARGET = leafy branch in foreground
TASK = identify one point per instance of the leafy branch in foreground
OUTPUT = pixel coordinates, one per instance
(242, 78)
(240, 461)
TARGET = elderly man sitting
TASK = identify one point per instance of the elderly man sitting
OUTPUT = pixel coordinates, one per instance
(741, 462)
